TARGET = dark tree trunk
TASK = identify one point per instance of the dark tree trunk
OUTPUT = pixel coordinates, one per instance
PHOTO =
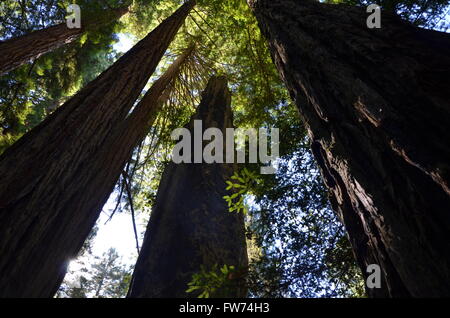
(18, 51)
(46, 207)
(377, 105)
(123, 139)
(190, 225)
(130, 133)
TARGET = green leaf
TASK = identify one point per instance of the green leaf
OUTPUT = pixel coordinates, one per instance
(83, 38)
(191, 289)
(39, 71)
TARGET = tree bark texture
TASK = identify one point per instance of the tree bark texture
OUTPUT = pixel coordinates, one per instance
(377, 106)
(47, 208)
(190, 225)
(20, 50)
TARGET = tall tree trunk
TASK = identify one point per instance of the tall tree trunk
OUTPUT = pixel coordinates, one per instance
(132, 131)
(123, 139)
(377, 105)
(46, 212)
(190, 225)
(18, 51)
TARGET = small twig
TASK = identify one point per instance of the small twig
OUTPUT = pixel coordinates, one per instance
(130, 198)
(203, 31)
(119, 199)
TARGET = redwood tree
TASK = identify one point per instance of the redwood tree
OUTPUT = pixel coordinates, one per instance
(377, 106)
(46, 207)
(190, 225)
(118, 147)
(20, 50)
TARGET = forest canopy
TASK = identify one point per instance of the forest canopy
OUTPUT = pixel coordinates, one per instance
(297, 244)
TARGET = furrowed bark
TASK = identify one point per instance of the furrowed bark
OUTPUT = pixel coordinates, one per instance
(18, 51)
(190, 225)
(377, 106)
(46, 212)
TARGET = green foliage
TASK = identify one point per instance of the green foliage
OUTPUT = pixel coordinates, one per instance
(31, 92)
(6, 140)
(212, 283)
(91, 276)
(301, 248)
(229, 42)
(245, 182)
(341, 266)
(145, 15)
(291, 222)
(299, 236)
(99, 277)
